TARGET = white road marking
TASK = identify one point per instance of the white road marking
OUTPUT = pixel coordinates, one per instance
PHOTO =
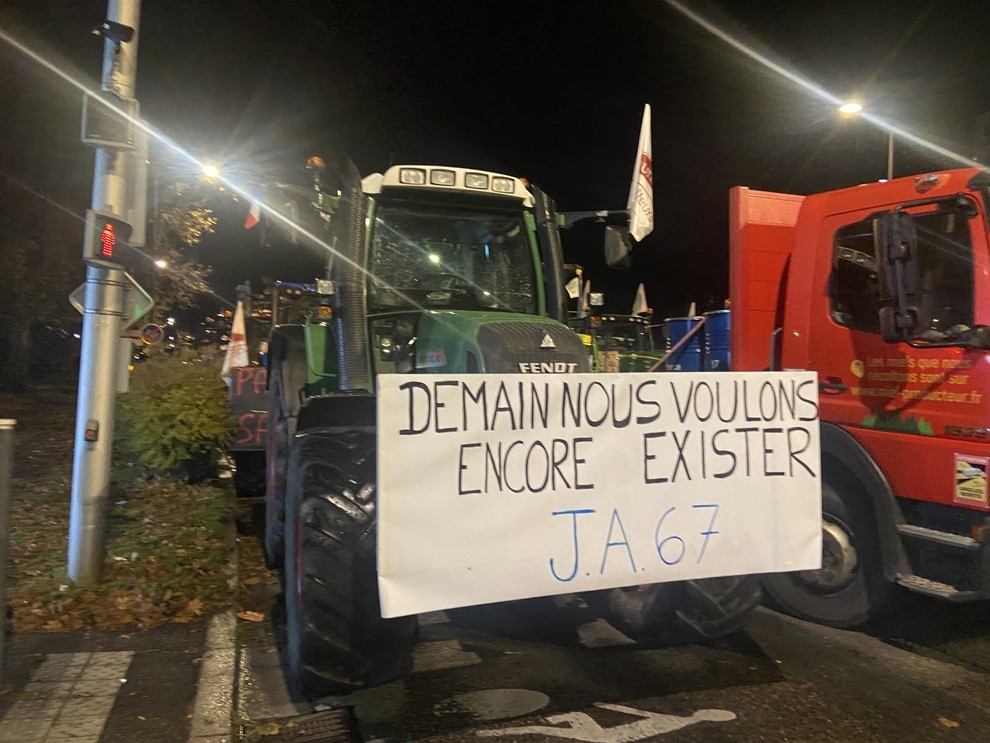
(581, 726)
(442, 655)
(69, 697)
(215, 688)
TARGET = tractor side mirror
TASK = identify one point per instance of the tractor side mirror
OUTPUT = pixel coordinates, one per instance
(899, 276)
(618, 247)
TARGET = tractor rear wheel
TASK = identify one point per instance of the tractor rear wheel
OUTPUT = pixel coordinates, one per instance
(686, 611)
(337, 640)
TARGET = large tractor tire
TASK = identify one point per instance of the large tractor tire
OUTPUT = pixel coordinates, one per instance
(337, 640)
(849, 589)
(684, 612)
(287, 374)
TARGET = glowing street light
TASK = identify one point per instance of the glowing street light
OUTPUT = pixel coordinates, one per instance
(161, 263)
(851, 108)
(211, 171)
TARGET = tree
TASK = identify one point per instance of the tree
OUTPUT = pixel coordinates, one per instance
(180, 219)
(39, 262)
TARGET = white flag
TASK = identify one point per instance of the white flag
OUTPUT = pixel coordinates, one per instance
(253, 216)
(237, 346)
(640, 304)
(640, 203)
(573, 287)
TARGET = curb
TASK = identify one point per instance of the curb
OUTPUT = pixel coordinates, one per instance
(213, 710)
(211, 718)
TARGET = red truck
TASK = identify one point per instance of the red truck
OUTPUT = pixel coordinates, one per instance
(884, 290)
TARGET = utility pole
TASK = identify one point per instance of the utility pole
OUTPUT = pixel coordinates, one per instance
(105, 309)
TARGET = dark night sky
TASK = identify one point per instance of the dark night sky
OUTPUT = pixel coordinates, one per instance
(549, 91)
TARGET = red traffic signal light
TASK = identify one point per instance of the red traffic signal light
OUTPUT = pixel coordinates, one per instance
(106, 238)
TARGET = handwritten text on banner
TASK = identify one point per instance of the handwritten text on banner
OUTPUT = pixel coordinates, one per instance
(494, 488)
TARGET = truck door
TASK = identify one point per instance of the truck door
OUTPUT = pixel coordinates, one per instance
(921, 412)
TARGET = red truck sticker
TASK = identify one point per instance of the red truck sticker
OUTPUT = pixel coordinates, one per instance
(906, 379)
(971, 480)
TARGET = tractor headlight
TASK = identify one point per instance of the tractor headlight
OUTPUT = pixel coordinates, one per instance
(412, 176)
(442, 177)
(503, 185)
(476, 180)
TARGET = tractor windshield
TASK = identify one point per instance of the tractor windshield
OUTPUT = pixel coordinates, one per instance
(429, 257)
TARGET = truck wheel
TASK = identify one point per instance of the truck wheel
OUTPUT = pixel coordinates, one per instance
(337, 640)
(685, 611)
(249, 474)
(849, 589)
(277, 458)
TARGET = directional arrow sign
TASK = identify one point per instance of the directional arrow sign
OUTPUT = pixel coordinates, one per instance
(139, 305)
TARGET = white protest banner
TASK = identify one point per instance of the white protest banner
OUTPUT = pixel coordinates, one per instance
(501, 487)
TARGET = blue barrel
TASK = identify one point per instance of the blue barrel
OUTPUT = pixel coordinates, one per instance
(716, 341)
(688, 356)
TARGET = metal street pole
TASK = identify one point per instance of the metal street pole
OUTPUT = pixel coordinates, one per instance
(6, 469)
(104, 309)
(890, 155)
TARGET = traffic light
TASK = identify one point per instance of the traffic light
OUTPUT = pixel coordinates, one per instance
(106, 239)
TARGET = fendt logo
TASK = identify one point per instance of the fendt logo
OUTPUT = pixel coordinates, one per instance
(547, 367)
(547, 341)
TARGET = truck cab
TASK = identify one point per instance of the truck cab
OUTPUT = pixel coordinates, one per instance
(884, 290)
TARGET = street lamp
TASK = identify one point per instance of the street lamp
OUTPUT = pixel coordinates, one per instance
(161, 263)
(851, 108)
(211, 171)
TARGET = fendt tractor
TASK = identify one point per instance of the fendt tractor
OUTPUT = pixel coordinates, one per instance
(435, 270)
(884, 291)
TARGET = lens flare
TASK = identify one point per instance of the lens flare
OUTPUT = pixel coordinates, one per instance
(817, 90)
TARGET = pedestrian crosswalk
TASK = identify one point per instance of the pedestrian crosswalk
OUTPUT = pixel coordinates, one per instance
(68, 697)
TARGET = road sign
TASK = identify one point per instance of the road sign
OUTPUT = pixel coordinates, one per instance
(141, 303)
(152, 334)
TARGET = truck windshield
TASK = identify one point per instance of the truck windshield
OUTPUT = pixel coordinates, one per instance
(429, 257)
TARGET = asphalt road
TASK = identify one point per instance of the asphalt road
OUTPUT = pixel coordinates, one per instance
(539, 671)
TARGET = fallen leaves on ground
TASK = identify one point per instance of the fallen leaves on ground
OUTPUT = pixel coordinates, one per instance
(947, 722)
(251, 616)
(167, 542)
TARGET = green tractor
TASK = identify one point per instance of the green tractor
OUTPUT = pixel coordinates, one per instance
(619, 343)
(432, 270)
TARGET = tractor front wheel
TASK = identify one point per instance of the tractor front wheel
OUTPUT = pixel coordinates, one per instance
(337, 640)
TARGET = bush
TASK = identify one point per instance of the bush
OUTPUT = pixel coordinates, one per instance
(174, 420)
